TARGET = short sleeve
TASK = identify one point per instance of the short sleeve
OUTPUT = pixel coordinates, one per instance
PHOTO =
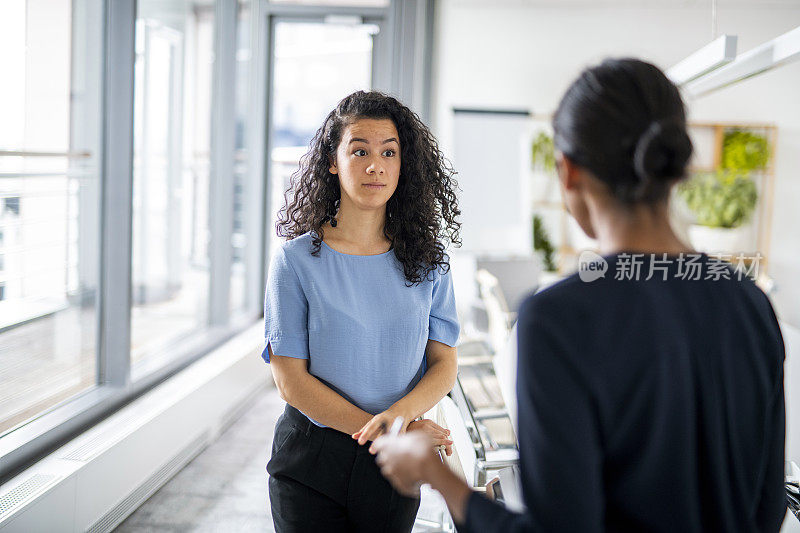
(443, 322)
(285, 311)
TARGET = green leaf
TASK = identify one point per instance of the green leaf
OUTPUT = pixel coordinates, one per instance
(723, 199)
(543, 153)
(541, 242)
(744, 151)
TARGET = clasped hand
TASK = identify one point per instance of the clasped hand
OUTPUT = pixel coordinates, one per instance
(380, 424)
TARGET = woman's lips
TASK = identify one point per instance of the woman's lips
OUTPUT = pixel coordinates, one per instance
(373, 186)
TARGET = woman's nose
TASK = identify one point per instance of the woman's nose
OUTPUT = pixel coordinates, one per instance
(375, 167)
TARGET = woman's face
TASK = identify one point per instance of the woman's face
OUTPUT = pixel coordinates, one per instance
(368, 163)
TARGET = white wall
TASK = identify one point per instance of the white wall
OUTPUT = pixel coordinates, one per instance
(514, 54)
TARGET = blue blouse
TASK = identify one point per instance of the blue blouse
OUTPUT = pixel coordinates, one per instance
(362, 329)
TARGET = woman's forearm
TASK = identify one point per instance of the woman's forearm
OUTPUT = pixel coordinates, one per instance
(326, 406)
(437, 381)
(455, 492)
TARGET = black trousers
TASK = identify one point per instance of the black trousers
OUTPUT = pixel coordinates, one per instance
(322, 480)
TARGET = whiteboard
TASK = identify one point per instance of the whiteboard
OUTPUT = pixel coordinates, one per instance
(491, 153)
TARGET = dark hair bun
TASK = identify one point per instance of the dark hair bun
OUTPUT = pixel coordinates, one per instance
(625, 122)
(662, 151)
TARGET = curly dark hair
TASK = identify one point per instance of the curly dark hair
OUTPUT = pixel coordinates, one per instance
(420, 215)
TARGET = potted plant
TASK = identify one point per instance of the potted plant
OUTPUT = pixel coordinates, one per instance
(723, 203)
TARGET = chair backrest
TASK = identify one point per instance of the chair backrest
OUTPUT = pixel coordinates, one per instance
(496, 307)
(463, 460)
(489, 288)
(505, 368)
(517, 276)
(462, 272)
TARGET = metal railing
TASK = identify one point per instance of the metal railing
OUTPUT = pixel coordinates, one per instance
(36, 227)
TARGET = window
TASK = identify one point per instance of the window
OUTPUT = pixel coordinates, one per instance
(172, 132)
(49, 186)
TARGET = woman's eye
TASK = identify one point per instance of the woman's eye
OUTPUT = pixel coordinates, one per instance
(389, 153)
(360, 152)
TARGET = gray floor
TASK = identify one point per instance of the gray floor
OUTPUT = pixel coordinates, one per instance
(225, 487)
(222, 489)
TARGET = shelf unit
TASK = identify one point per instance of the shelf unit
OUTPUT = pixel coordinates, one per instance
(765, 179)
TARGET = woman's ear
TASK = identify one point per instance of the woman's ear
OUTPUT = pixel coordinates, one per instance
(568, 172)
(333, 169)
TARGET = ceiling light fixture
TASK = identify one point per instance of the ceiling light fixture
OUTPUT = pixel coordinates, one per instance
(712, 56)
(779, 51)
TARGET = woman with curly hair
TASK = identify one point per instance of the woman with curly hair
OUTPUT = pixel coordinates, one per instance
(360, 319)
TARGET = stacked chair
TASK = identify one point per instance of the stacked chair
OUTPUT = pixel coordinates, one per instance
(480, 411)
(485, 387)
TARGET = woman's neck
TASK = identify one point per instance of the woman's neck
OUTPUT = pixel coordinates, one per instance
(359, 230)
(640, 228)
